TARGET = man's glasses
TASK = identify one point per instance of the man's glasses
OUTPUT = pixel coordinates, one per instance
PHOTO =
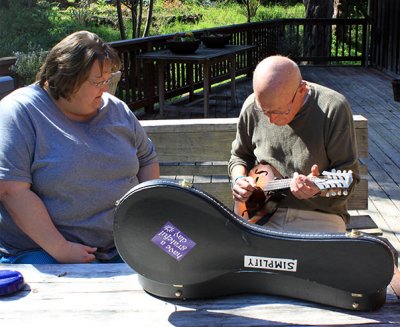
(257, 107)
(100, 85)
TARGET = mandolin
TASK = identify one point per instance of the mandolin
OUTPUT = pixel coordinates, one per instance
(265, 199)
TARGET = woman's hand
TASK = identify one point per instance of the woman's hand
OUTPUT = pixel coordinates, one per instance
(31, 216)
(70, 252)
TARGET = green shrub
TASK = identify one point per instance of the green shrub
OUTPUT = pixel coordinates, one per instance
(28, 64)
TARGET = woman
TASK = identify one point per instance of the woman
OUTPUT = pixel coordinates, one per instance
(69, 150)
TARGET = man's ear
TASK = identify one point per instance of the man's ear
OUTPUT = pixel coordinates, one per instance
(303, 87)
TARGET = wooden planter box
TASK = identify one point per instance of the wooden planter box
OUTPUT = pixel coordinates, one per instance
(396, 89)
(5, 64)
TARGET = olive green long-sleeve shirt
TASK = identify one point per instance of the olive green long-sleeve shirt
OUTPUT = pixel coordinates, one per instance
(321, 133)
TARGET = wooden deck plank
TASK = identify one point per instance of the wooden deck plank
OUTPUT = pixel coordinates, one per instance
(110, 294)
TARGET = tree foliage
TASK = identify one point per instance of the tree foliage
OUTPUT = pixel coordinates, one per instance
(24, 22)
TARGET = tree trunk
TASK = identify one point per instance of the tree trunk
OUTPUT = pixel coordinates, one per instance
(139, 18)
(251, 7)
(317, 39)
(120, 21)
(347, 9)
(149, 17)
(350, 8)
(136, 8)
(341, 10)
(133, 7)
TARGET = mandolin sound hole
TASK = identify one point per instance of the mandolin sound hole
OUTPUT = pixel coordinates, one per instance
(256, 200)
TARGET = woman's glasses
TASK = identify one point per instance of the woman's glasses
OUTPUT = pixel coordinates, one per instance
(100, 85)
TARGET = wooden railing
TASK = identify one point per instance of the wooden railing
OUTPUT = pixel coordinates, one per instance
(385, 36)
(310, 41)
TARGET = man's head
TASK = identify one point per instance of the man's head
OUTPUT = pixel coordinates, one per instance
(279, 90)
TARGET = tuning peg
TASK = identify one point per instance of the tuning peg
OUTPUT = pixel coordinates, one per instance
(339, 192)
(327, 195)
(333, 193)
(333, 170)
(345, 192)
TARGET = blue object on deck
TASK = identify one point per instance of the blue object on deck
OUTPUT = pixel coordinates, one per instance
(11, 281)
(7, 85)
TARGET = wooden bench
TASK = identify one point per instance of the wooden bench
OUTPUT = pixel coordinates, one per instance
(197, 150)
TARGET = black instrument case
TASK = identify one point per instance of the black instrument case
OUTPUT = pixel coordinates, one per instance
(185, 244)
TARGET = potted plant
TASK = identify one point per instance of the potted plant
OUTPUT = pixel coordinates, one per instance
(215, 40)
(184, 43)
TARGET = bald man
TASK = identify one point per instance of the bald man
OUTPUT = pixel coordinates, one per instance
(298, 128)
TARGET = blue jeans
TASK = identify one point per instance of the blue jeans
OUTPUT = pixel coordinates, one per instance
(42, 257)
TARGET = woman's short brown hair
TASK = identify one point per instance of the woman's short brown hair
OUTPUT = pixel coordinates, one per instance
(69, 62)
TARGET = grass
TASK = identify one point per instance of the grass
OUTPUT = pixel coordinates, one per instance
(212, 16)
(276, 12)
(219, 14)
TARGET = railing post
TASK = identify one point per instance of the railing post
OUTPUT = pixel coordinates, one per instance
(149, 82)
(365, 42)
(249, 57)
(149, 85)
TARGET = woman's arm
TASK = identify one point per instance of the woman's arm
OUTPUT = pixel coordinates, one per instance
(149, 172)
(31, 216)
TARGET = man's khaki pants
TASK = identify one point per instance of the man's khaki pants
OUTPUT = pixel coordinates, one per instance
(295, 220)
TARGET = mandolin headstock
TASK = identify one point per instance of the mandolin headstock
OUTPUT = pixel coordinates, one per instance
(335, 182)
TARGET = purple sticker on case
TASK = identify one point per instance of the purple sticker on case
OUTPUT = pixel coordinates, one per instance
(173, 241)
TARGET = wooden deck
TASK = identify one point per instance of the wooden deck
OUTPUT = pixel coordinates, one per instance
(370, 94)
(110, 294)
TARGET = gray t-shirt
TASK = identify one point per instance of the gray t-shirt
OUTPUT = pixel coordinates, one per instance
(78, 169)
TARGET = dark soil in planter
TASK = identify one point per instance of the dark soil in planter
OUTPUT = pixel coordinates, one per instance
(396, 89)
